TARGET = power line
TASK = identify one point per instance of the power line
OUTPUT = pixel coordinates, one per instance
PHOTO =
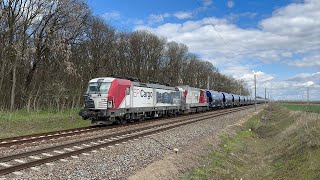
(124, 26)
(214, 27)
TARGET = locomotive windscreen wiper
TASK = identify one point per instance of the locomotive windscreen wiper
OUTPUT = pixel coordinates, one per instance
(98, 88)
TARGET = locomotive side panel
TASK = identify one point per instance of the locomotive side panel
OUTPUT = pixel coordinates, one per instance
(166, 97)
(142, 97)
(118, 93)
(194, 99)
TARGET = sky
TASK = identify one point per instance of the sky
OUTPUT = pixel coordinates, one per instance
(278, 40)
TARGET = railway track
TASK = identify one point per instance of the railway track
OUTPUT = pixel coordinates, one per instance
(17, 162)
(44, 136)
(19, 140)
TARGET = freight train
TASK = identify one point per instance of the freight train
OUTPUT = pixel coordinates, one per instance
(119, 100)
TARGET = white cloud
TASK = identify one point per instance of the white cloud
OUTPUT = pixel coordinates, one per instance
(207, 3)
(296, 19)
(292, 31)
(202, 6)
(233, 17)
(308, 62)
(183, 15)
(246, 74)
(136, 21)
(296, 87)
(111, 15)
(156, 18)
(305, 76)
(230, 4)
(278, 39)
(264, 77)
(308, 84)
(293, 90)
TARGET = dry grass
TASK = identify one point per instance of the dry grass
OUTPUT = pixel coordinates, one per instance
(282, 144)
(22, 123)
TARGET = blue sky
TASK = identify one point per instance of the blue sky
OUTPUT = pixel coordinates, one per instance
(124, 13)
(279, 40)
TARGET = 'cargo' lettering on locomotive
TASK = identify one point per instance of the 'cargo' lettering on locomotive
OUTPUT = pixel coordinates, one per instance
(145, 94)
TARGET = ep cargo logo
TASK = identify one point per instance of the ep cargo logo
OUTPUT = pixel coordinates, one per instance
(142, 93)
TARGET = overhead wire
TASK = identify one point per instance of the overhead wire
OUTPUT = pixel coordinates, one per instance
(214, 27)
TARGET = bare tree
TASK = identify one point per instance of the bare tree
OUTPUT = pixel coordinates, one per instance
(50, 49)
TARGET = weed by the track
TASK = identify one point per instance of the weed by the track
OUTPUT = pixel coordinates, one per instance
(276, 144)
(22, 122)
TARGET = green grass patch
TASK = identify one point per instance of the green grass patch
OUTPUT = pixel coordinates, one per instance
(225, 159)
(252, 124)
(275, 144)
(23, 123)
(303, 107)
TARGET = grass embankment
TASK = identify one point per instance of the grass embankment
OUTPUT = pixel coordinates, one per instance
(22, 123)
(276, 144)
(303, 107)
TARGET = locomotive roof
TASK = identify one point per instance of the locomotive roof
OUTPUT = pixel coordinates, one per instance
(102, 79)
(150, 85)
(189, 87)
(135, 83)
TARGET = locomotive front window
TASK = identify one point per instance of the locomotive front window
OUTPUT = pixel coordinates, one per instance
(98, 88)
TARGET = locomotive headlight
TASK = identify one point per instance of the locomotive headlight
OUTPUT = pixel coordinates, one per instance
(110, 104)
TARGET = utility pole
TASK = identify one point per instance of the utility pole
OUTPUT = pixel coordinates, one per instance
(208, 84)
(255, 93)
(308, 94)
(265, 96)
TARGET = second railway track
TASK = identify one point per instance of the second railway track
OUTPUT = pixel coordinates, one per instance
(11, 141)
(19, 140)
(44, 136)
(17, 162)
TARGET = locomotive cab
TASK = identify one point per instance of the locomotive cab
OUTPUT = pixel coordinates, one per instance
(96, 96)
(104, 96)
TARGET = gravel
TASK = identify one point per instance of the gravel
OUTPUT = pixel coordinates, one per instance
(5, 151)
(119, 162)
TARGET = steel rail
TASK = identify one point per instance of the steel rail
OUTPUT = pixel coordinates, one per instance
(130, 133)
(18, 140)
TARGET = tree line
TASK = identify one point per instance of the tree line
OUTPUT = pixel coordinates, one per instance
(49, 50)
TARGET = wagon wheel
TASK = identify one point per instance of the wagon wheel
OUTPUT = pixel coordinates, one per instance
(141, 118)
(121, 121)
